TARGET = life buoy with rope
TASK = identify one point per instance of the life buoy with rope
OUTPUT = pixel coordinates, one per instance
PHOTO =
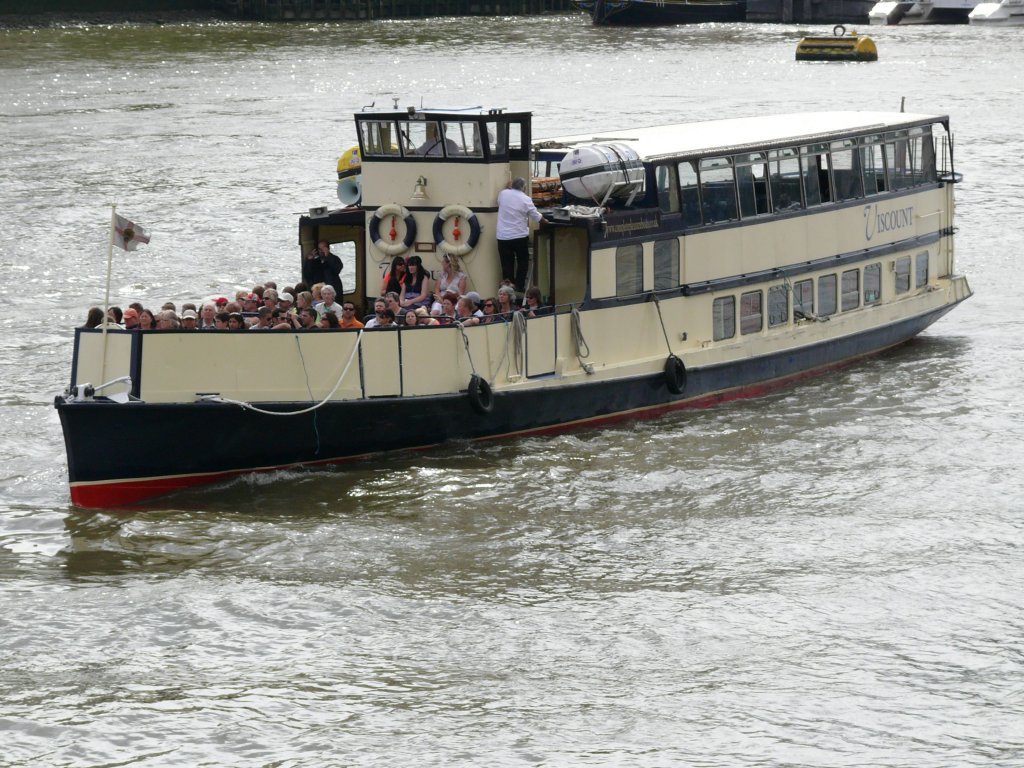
(675, 375)
(395, 246)
(463, 216)
(480, 395)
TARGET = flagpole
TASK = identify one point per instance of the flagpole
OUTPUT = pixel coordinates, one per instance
(106, 295)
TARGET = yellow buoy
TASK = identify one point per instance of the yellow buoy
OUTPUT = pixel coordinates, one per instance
(839, 47)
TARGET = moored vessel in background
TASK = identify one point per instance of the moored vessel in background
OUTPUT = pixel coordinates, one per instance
(657, 12)
(1002, 13)
(690, 265)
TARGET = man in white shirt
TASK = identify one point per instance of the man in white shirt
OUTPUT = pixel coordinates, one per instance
(515, 209)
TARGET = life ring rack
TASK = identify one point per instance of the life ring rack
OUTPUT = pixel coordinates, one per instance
(457, 248)
(394, 247)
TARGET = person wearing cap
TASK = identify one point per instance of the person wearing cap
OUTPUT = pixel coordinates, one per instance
(285, 301)
(189, 318)
(130, 318)
(515, 209)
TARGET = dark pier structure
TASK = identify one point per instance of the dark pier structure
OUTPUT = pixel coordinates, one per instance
(326, 10)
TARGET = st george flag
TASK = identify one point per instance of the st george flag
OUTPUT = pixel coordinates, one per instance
(128, 235)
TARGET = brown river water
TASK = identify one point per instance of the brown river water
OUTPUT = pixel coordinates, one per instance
(828, 576)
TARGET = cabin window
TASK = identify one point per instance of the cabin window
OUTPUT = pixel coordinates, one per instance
(752, 183)
(803, 298)
(689, 193)
(751, 313)
(668, 192)
(629, 270)
(814, 173)
(872, 165)
(784, 178)
(778, 306)
(922, 154)
(897, 160)
(902, 270)
(851, 289)
(872, 283)
(421, 138)
(921, 270)
(378, 138)
(463, 139)
(517, 141)
(724, 317)
(846, 174)
(666, 264)
(718, 189)
(827, 288)
(497, 142)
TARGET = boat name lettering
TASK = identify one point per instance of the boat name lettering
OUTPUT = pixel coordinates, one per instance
(630, 226)
(876, 221)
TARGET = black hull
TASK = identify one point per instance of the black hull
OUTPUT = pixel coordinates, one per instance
(643, 13)
(170, 452)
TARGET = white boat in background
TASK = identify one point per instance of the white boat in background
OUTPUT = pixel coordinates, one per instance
(929, 12)
(1008, 12)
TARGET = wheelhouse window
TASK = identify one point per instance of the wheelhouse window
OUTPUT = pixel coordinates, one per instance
(724, 317)
(666, 264)
(803, 298)
(629, 270)
(462, 139)
(668, 192)
(902, 274)
(752, 182)
(751, 312)
(689, 193)
(827, 285)
(851, 289)
(846, 174)
(872, 283)
(784, 179)
(718, 189)
(378, 138)
(921, 270)
(497, 143)
(778, 306)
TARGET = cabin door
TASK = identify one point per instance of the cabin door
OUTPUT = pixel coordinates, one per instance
(559, 270)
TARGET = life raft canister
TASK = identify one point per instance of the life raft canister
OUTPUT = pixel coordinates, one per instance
(462, 216)
(392, 245)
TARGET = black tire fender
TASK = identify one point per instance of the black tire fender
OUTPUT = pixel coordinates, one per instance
(675, 375)
(480, 395)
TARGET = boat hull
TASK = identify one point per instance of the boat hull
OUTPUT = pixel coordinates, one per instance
(643, 13)
(178, 445)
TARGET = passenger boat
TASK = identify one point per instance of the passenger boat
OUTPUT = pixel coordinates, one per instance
(1002, 13)
(681, 266)
(660, 12)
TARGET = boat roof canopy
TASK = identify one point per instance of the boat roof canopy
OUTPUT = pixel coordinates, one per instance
(733, 135)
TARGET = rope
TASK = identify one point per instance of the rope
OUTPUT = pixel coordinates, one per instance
(251, 407)
(657, 304)
(465, 343)
(581, 343)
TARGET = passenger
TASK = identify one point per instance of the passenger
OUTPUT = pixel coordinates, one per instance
(466, 312)
(447, 314)
(349, 319)
(452, 278)
(169, 305)
(220, 302)
(329, 320)
(167, 320)
(432, 145)
(322, 266)
(329, 304)
(417, 285)
(308, 317)
(532, 303)
(207, 317)
(94, 318)
(285, 301)
(147, 320)
(315, 290)
(388, 320)
(424, 318)
(303, 300)
(515, 209)
(379, 308)
(411, 318)
(490, 309)
(114, 315)
(394, 303)
(189, 319)
(131, 318)
(299, 288)
(270, 298)
(250, 303)
(235, 321)
(394, 278)
(506, 302)
(263, 316)
(220, 321)
(281, 320)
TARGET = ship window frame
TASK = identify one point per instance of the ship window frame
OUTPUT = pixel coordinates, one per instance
(778, 312)
(812, 174)
(629, 269)
(921, 269)
(720, 198)
(371, 138)
(751, 174)
(803, 298)
(690, 205)
(723, 318)
(847, 177)
(667, 187)
(828, 298)
(666, 265)
(848, 292)
(872, 279)
(781, 189)
(872, 163)
(901, 268)
(751, 321)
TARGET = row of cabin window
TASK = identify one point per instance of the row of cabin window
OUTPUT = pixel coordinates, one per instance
(844, 293)
(717, 189)
(411, 138)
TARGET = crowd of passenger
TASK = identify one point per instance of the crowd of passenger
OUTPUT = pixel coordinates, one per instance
(409, 296)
